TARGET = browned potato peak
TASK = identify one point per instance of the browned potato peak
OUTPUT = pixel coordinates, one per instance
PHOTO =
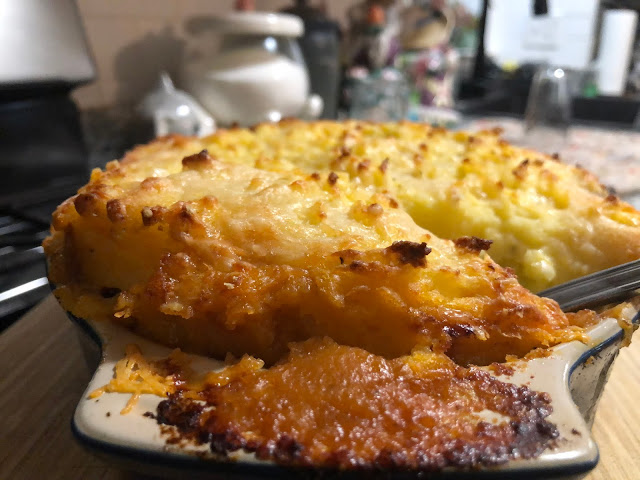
(250, 239)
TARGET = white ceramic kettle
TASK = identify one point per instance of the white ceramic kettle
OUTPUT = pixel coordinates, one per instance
(258, 73)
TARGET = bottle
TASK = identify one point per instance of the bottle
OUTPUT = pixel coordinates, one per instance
(320, 47)
(368, 47)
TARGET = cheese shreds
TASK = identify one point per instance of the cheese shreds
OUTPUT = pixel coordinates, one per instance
(250, 239)
(136, 375)
(360, 273)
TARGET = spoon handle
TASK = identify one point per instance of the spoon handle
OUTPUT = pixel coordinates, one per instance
(596, 289)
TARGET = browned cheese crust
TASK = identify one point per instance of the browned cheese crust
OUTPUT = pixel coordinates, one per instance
(329, 405)
(352, 259)
(220, 256)
(548, 221)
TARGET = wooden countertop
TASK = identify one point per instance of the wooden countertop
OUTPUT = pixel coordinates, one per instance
(43, 374)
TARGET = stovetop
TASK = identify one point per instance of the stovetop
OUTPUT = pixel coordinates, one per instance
(47, 149)
(24, 222)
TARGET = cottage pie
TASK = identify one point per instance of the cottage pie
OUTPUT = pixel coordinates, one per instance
(548, 221)
(354, 241)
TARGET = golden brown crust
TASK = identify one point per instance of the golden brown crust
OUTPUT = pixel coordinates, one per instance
(252, 239)
(249, 265)
(218, 255)
(549, 221)
(332, 406)
(474, 244)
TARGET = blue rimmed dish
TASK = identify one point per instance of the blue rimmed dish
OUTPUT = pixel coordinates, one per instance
(573, 375)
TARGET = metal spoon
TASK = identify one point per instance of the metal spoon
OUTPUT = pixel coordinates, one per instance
(596, 289)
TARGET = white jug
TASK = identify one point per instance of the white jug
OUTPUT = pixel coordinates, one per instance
(257, 73)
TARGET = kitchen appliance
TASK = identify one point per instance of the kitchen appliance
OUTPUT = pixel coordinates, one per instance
(42, 44)
(43, 56)
(24, 223)
(43, 159)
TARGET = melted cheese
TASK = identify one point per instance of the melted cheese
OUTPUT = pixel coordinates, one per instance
(218, 256)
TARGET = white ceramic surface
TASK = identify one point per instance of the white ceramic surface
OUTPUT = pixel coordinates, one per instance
(259, 23)
(258, 74)
(98, 421)
(249, 86)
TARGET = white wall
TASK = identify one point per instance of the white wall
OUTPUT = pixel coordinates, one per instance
(132, 40)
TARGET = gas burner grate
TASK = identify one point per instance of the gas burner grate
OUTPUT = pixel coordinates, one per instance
(24, 223)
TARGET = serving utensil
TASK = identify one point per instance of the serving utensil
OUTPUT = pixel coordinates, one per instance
(600, 288)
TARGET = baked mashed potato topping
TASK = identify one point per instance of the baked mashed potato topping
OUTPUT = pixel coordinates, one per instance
(351, 260)
(548, 221)
(217, 257)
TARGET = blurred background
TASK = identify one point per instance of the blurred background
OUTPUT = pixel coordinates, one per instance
(81, 82)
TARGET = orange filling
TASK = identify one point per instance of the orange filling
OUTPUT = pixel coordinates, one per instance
(329, 405)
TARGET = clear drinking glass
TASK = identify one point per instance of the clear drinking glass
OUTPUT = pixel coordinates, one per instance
(381, 97)
(548, 114)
